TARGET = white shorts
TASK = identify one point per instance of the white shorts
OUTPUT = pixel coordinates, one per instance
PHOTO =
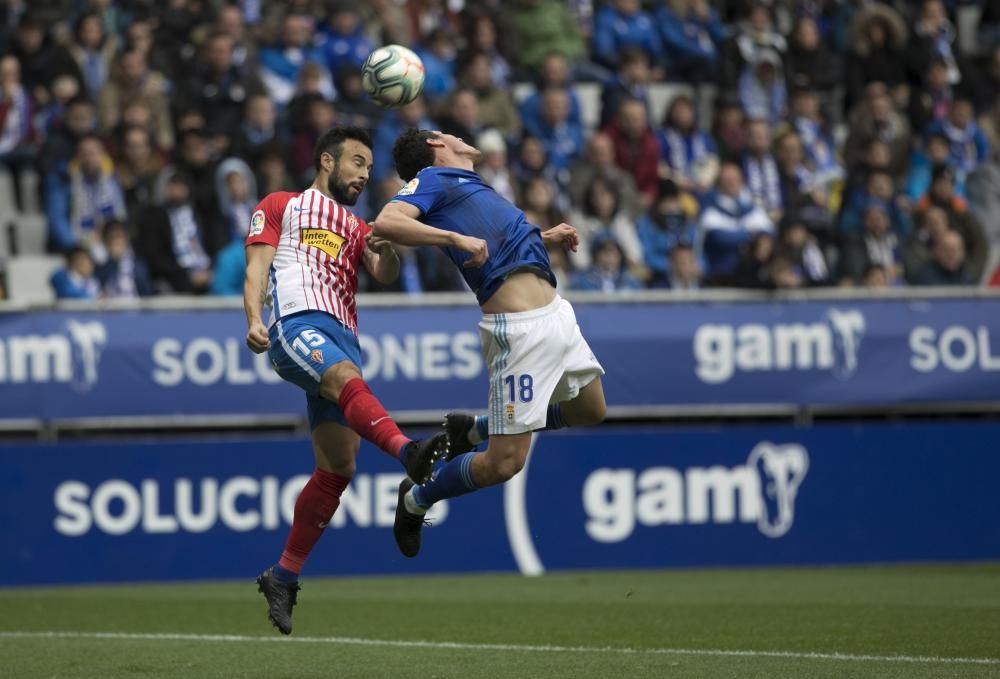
(535, 358)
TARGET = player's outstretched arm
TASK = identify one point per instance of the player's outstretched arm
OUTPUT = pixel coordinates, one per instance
(398, 222)
(259, 258)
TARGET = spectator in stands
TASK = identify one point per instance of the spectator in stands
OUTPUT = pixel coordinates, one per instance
(271, 170)
(218, 88)
(762, 87)
(754, 36)
(562, 139)
(17, 134)
(131, 81)
(258, 128)
(687, 151)
(877, 119)
(609, 272)
(42, 61)
(878, 37)
(139, 37)
(942, 194)
(122, 275)
(602, 214)
(231, 21)
(636, 149)
(875, 277)
(801, 191)
(482, 36)
(931, 102)
(93, 50)
(763, 177)
(751, 270)
(281, 62)
(621, 24)
(989, 121)
(540, 197)
(462, 117)
(354, 106)
(931, 223)
(57, 151)
(935, 150)
(691, 35)
(683, 272)
(599, 161)
(665, 228)
(878, 187)
(438, 52)
(809, 65)
(983, 192)
(137, 169)
(319, 116)
(496, 109)
(729, 129)
(308, 89)
(728, 221)
(631, 81)
(492, 166)
(817, 138)
(196, 162)
(800, 247)
(532, 162)
(931, 39)
(948, 266)
(76, 280)
(92, 198)
(343, 38)
(170, 238)
(968, 143)
(64, 89)
(236, 188)
(394, 124)
(554, 71)
(541, 27)
(875, 244)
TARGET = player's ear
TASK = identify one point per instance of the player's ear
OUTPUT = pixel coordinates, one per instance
(326, 160)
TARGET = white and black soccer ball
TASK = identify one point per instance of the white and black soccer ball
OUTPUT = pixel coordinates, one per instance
(393, 76)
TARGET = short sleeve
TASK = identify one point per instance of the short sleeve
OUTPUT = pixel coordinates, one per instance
(424, 191)
(265, 222)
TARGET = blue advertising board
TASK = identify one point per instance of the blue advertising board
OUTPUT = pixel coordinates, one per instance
(59, 365)
(613, 497)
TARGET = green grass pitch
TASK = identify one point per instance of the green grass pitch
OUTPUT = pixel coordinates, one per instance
(926, 621)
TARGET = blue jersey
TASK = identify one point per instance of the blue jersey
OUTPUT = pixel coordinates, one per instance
(460, 201)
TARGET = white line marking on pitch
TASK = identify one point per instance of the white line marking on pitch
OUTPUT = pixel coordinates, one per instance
(459, 646)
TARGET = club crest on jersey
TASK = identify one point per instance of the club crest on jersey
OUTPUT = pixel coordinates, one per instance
(327, 241)
(352, 222)
(409, 188)
(257, 223)
(316, 356)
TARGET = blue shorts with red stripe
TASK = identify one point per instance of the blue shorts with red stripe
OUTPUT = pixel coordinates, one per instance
(306, 345)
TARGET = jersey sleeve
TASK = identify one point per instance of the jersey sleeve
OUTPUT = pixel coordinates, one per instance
(424, 191)
(265, 222)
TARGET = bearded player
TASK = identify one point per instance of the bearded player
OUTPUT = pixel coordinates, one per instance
(303, 253)
(543, 374)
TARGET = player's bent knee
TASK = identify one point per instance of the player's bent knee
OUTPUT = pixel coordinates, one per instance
(507, 467)
(334, 379)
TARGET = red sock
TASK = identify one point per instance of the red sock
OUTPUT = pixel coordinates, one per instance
(313, 510)
(368, 418)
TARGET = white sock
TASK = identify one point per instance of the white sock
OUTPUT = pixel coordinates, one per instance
(411, 505)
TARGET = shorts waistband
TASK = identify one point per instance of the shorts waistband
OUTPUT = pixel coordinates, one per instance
(529, 315)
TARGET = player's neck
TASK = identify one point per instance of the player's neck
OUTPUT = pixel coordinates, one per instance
(322, 187)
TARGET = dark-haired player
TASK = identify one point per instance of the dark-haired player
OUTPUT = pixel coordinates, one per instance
(303, 253)
(542, 372)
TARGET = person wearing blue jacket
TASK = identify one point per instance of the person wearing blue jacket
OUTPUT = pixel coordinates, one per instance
(728, 222)
(624, 24)
(691, 33)
(343, 38)
(76, 280)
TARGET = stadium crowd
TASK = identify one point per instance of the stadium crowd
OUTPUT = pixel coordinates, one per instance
(809, 143)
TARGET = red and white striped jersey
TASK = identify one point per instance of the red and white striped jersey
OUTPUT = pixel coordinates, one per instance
(318, 245)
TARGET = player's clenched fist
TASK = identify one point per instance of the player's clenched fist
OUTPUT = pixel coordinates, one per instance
(477, 248)
(257, 338)
(563, 234)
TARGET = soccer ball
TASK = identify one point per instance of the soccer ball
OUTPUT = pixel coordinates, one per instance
(393, 76)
